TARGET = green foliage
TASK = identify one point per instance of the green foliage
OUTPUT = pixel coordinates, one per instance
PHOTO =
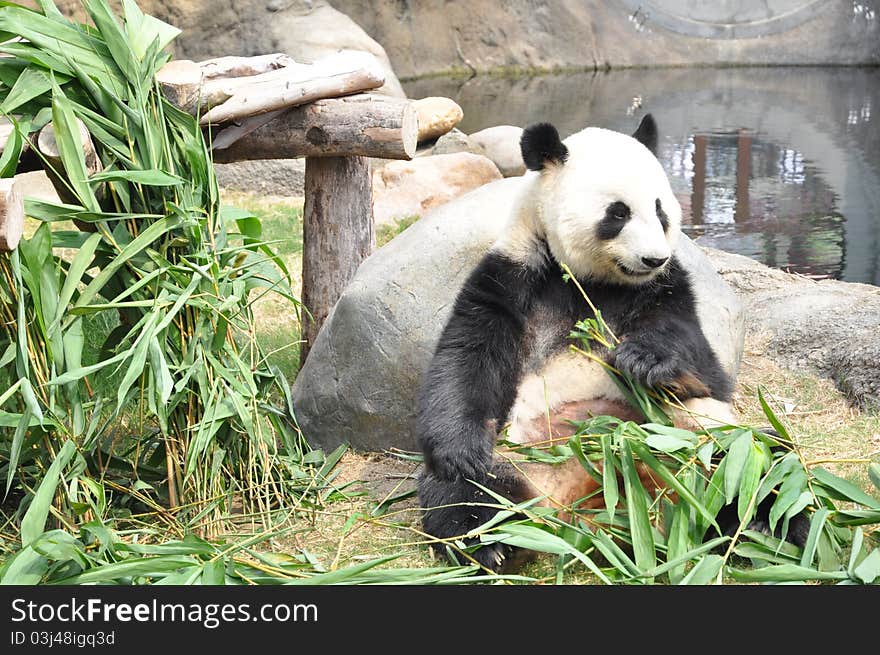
(671, 534)
(173, 404)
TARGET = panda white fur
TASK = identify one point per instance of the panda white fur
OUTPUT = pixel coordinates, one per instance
(601, 203)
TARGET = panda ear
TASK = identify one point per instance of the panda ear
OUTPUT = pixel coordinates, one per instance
(540, 144)
(646, 133)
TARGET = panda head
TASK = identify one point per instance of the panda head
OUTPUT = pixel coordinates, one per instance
(604, 203)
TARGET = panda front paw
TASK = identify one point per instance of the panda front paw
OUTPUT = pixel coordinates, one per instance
(645, 364)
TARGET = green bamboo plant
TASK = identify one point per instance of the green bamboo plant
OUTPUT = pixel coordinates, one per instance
(176, 392)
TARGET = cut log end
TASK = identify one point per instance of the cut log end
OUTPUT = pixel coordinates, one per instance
(11, 214)
(181, 82)
(48, 146)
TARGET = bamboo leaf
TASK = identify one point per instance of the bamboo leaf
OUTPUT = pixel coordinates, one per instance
(869, 569)
(151, 177)
(847, 490)
(785, 573)
(32, 83)
(214, 572)
(668, 444)
(749, 483)
(12, 150)
(34, 521)
(705, 571)
(771, 416)
(533, 538)
(817, 524)
(874, 474)
(678, 542)
(15, 447)
(143, 30)
(144, 239)
(795, 483)
(637, 511)
(74, 276)
(736, 458)
(609, 476)
(70, 148)
(26, 567)
(685, 494)
(147, 567)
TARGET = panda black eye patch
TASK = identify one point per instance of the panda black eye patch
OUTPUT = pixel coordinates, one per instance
(616, 216)
(664, 219)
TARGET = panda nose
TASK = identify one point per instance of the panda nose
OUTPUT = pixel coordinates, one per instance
(654, 262)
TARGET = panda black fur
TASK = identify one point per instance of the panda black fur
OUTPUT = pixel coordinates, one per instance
(600, 203)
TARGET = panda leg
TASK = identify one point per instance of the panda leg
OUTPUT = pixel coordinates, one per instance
(798, 527)
(453, 508)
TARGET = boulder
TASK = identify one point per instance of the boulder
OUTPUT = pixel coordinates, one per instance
(359, 382)
(436, 116)
(501, 145)
(826, 327)
(455, 141)
(410, 188)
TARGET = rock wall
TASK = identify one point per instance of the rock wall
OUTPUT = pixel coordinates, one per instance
(427, 36)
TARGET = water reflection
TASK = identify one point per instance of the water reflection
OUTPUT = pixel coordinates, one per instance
(757, 198)
(782, 165)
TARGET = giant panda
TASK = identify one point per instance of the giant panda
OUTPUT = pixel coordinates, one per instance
(600, 202)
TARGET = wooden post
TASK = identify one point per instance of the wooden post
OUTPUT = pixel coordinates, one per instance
(337, 234)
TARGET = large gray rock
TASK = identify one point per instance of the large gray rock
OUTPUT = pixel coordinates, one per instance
(828, 327)
(359, 381)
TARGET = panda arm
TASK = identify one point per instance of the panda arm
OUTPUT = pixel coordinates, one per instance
(471, 382)
(666, 347)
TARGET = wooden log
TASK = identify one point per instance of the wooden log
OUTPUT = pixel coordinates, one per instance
(6, 129)
(340, 74)
(180, 81)
(243, 66)
(337, 234)
(48, 146)
(360, 125)
(239, 130)
(11, 214)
